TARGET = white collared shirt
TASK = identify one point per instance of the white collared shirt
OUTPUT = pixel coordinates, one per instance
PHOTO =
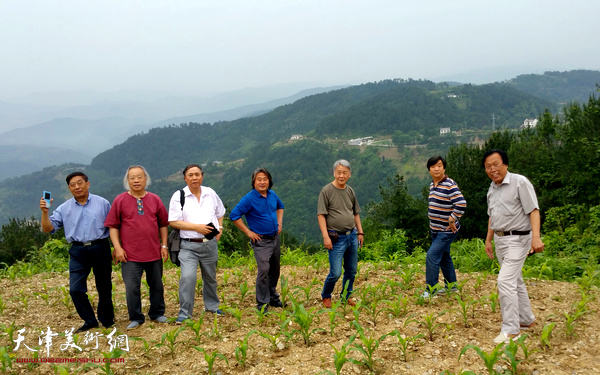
(511, 202)
(209, 209)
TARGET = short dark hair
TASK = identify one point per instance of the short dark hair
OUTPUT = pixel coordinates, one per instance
(434, 160)
(192, 166)
(262, 170)
(75, 174)
(502, 154)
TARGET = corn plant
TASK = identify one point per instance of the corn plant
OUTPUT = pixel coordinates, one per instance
(570, 322)
(398, 307)
(393, 285)
(92, 298)
(333, 314)
(215, 332)
(226, 275)
(24, 298)
(145, 344)
(169, 339)
(525, 347)
(285, 289)
(464, 308)
(510, 354)
(45, 296)
(429, 322)
(408, 276)
(237, 314)
(273, 339)
(66, 299)
(307, 289)
(244, 291)
(493, 298)
(367, 347)
(174, 296)
(115, 353)
(2, 305)
(545, 336)
(261, 314)
(340, 356)
(5, 358)
(405, 342)
(304, 319)
(488, 359)
(241, 351)
(211, 357)
(374, 310)
(196, 327)
(590, 277)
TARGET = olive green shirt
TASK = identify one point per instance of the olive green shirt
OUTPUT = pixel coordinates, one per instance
(339, 207)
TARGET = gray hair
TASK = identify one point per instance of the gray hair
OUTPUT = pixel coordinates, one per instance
(126, 178)
(343, 163)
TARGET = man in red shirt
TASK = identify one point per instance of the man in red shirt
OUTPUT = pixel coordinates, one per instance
(138, 224)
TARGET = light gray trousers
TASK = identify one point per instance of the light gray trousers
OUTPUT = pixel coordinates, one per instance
(190, 255)
(511, 252)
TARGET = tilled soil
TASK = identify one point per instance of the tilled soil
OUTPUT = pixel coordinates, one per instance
(38, 303)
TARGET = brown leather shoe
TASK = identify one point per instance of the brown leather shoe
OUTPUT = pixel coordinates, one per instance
(531, 325)
(351, 302)
(327, 303)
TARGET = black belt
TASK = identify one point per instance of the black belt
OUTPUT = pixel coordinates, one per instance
(344, 233)
(268, 237)
(89, 243)
(500, 233)
(196, 239)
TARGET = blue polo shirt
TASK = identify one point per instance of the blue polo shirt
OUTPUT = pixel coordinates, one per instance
(260, 212)
(82, 222)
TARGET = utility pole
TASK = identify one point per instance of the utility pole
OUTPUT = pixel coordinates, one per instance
(494, 122)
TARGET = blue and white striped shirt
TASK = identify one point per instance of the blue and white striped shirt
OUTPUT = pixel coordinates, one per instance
(445, 200)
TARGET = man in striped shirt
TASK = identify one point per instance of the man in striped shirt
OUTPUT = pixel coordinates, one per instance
(446, 206)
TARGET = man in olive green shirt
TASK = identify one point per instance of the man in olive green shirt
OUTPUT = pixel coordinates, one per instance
(339, 220)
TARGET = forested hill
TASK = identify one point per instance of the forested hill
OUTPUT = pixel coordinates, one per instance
(560, 87)
(231, 150)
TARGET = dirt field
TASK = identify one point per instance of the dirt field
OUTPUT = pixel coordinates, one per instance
(34, 307)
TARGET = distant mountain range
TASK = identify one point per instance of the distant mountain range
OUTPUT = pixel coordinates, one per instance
(232, 149)
(79, 139)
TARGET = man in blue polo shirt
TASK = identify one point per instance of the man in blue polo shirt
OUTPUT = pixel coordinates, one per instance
(83, 219)
(264, 213)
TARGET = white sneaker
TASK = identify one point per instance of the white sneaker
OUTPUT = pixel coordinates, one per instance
(505, 338)
(426, 295)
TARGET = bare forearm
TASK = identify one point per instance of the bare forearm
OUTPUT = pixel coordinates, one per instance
(46, 223)
(323, 226)
(164, 234)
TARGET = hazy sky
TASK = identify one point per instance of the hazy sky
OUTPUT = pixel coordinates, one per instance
(206, 46)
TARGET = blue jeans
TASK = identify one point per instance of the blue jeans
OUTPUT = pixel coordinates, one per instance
(346, 249)
(438, 256)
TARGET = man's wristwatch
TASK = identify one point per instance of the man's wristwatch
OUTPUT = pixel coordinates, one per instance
(164, 247)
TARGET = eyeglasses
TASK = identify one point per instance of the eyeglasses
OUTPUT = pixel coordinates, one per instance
(489, 167)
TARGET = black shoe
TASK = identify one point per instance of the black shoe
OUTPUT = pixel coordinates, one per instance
(277, 303)
(109, 325)
(86, 327)
(264, 308)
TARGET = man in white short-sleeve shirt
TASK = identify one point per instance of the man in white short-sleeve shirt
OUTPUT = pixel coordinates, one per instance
(514, 225)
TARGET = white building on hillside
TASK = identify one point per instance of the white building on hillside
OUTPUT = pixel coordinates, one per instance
(529, 123)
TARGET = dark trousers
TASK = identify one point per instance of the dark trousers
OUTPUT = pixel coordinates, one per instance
(84, 259)
(267, 253)
(132, 277)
